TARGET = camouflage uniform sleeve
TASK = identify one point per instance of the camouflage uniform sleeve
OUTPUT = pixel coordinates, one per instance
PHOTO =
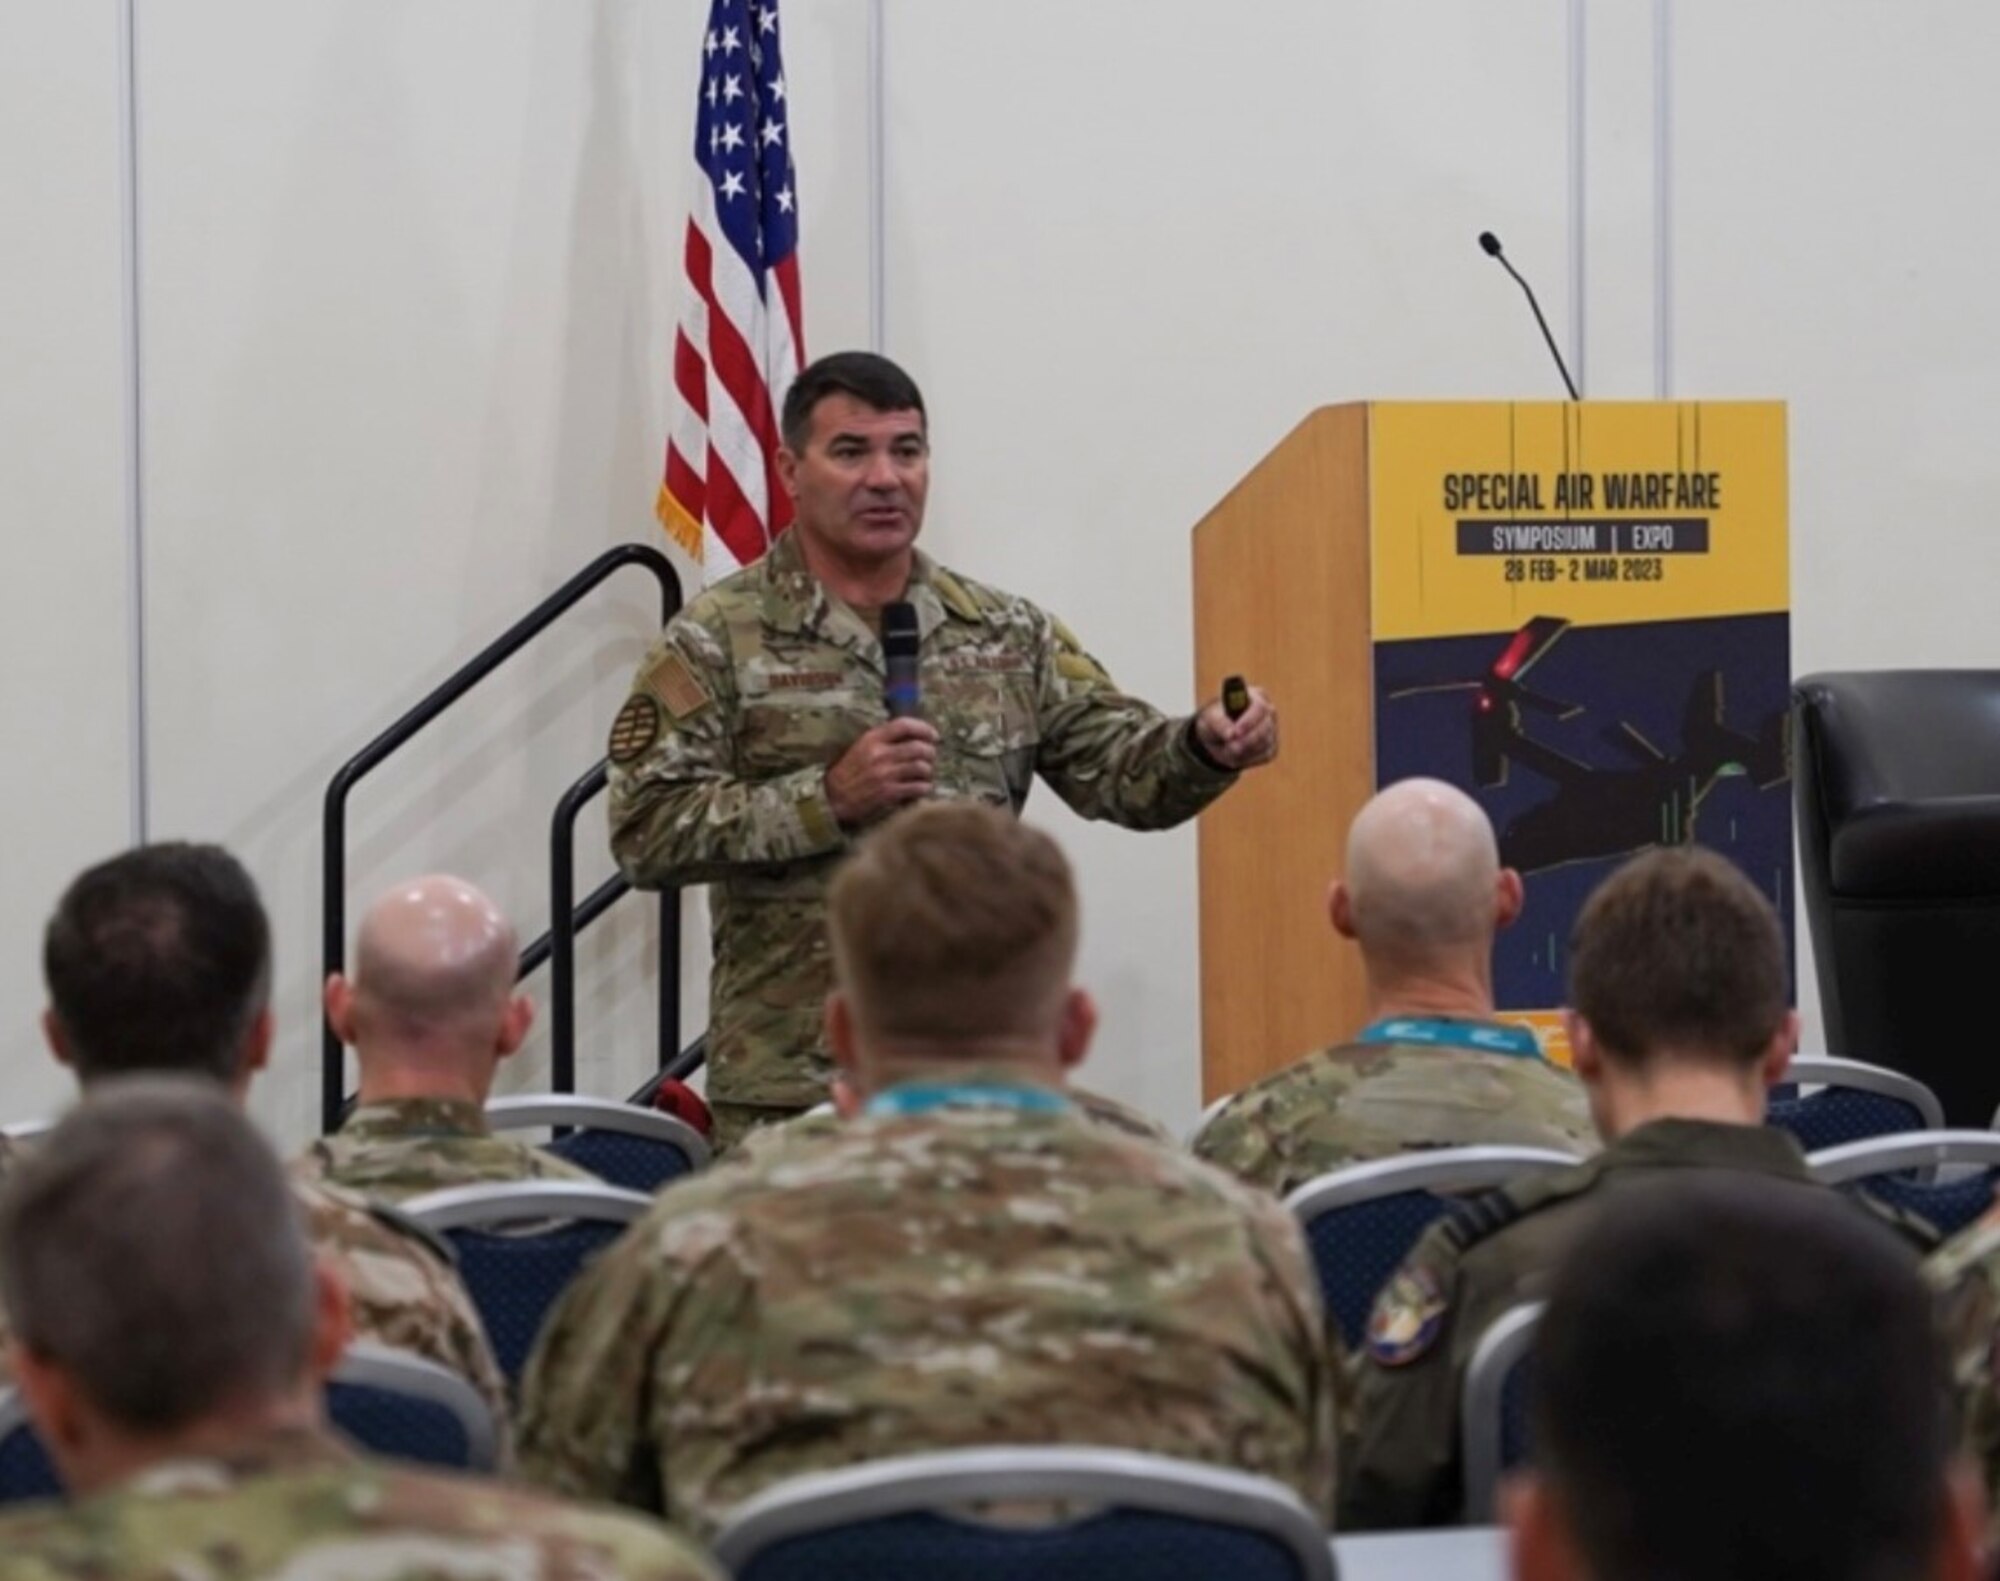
(1112, 756)
(587, 1410)
(627, 1548)
(679, 813)
(1404, 1470)
(1320, 1356)
(1233, 1141)
(1963, 1276)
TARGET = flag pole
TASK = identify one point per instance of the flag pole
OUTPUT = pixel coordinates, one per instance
(878, 180)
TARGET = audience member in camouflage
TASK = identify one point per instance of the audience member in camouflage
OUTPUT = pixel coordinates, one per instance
(1965, 1273)
(174, 1336)
(1422, 897)
(1680, 1027)
(756, 741)
(429, 1012)
(301, 1504)
(158, 961)
(400, 1148)
(965, 1259)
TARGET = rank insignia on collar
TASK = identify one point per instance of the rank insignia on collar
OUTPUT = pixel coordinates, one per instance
(1406, 1318)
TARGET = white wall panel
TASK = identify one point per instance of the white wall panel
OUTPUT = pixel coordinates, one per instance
(1131, 244)
(64, 798)
(412, 278)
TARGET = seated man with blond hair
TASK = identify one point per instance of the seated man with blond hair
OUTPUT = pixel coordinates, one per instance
(430, 1012)
(1422, 897)
(968, 1260)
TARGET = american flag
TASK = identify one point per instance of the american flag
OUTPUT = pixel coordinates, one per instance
(741, 340)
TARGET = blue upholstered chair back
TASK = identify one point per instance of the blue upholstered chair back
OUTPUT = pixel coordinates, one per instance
(519, 1246)
(1121, 1517)
(1361, 1222)
(406, 1407)
(1854, 1101)
(620, 1143)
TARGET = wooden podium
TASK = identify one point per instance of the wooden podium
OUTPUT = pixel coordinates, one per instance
(1391, 573)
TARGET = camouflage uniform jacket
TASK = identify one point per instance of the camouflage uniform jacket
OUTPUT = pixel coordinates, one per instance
(403, 1147)
(1489, 1254)
(719, 759)
(1359, 1101)
(1965, 1273)
(301, 1505)
(966, 1276)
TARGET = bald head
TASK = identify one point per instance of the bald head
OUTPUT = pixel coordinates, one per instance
(1423, 879)
(433, 980)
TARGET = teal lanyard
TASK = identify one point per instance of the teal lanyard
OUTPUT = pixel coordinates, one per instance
(923, 1097)
(1479, 1036)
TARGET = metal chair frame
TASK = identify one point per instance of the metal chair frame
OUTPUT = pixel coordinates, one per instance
(1114, 1478)
(1445, 1170)
(524, 1111)
(525, 1201)
(1831, 1070)
(1886, 1155)
(1500, 1349)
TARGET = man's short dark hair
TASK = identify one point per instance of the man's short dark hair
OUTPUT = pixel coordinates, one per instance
(1739, 1379)
(874, 381)
(151, 1248)
(159, 960)
(1678, 950)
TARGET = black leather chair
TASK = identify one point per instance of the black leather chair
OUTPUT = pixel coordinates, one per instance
(1899, 841)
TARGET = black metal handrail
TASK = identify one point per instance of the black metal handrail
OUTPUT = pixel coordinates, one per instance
(567, 920)
(558, 945)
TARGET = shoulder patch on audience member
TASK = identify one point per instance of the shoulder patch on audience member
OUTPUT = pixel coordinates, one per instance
(403, 1224)
(677, 686)
(1072, 663)
(635, 729)
(1406, 1317)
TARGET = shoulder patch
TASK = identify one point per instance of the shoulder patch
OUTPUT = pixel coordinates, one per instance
(672, 681)
(635, 729)
(399, 1221)
(1407, 1317)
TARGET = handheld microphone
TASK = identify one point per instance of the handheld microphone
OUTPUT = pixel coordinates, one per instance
(899, 655)
(1490, 245)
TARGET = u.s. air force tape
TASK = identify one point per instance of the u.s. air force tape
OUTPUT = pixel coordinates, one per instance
(635, 729)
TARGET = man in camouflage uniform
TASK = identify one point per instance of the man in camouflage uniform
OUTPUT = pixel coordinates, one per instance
(756, 742)
(430, 1012)
(1423, 895)
(1680, 1027)
(966, 1260)
(174, 1338)
(159, 961)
